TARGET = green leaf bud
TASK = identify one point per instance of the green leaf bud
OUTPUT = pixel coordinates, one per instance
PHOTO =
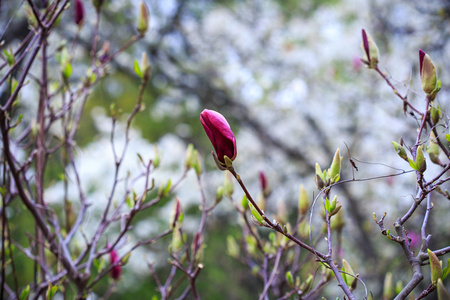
(435, 266)
(290, 279)
(442, 292)
(388, 289)
(228, 186)
(400, 150)
(303, 201)
(143, 18)
(232, 247)
(348, 278)
(188, 157)
(420, 160)
(335, 167)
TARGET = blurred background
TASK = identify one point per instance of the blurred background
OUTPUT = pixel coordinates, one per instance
(287, 76)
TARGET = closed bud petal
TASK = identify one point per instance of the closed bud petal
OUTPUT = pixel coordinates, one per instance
(442, 292)
(228, 186)
(145, 67)
(79, 13)
(348, 278)
(335, 167)
(433, 149)
(370, 50)
(197, 163)
(232, 247)
(264, 184)
(114, 260)
(303, 201)
(189, 157)
(176, 212)
(304, 287)
(420, 160)
(219, 194)
(428, 74)
(220, 135)
(143, 19)
(290, 279)
(398, 287)
(435, 114)
(319, 182)
(388, 287)
(435, 266)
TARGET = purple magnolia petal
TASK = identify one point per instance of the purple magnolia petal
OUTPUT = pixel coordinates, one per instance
(366, 44)
(79, 12)
(219, 133)
(421, 57)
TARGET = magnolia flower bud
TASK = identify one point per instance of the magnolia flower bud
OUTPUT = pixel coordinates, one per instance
(176, 213)
(427, 73)
(117, 269)
(220, 135)
(79, 13)
(145, 67)
(370, 49)
(143, 18)
(264, 184)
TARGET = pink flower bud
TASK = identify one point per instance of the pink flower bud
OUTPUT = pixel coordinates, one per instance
(220, 134)
(117, 269)
(370, 50)
(264, 184)
(79, 12)
(262, 180)
(427, 72)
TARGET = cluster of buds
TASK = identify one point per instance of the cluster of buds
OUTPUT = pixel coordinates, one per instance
(221, 137)
(332, 175)
(420, 164)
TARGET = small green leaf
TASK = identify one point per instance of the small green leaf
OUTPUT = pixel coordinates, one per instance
(413, 164)
(244, 202)
(137, 69)
(129, 202)
(9, 56)
(25, 293)
(125, 259)
(435, 266)
(446, 270)
(327, 205)
(290, 279)
(67, 70)
(256, 214)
